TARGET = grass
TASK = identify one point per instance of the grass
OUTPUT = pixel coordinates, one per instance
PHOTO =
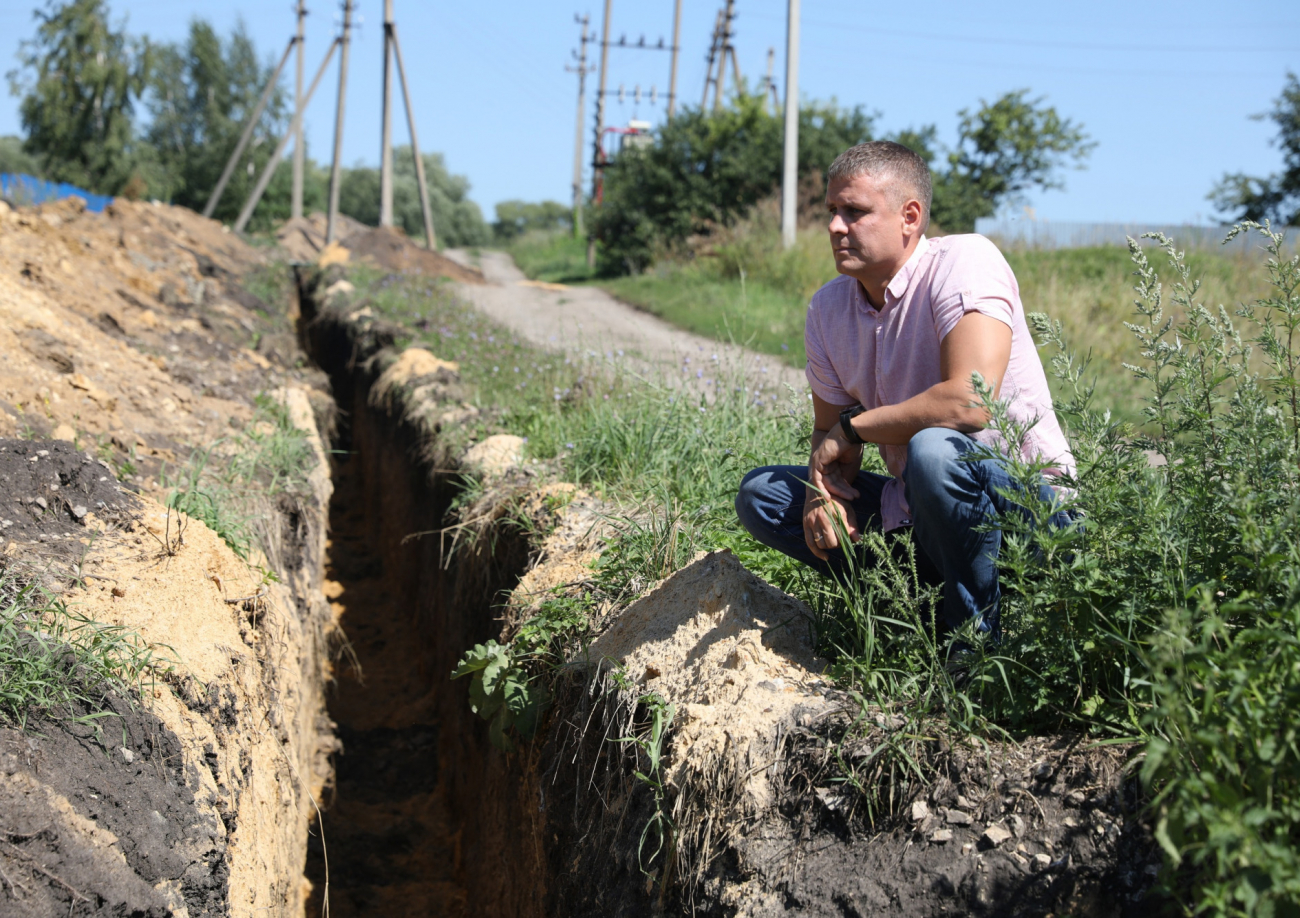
(744, 287)
(57, 662)
(227, 484)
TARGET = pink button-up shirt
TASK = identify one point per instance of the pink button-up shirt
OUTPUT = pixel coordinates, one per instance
(858, 354)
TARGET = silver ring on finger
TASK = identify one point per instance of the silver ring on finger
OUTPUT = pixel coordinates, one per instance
(817, 537)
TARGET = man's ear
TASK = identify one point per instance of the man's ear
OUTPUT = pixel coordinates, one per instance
(913, 216)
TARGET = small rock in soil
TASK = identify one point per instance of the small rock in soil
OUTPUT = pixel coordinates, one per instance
(1041, 862)
(958, 818)
(920, 811)
(995, 835)
(941, 836)
(1017, 825)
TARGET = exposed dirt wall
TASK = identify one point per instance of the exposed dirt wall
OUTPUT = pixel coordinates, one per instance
(131, 340)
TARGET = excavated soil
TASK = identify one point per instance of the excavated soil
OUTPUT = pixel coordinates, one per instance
(132, 339)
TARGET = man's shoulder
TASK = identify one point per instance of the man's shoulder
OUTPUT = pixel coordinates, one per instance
(965, 258)
(833, 292)
(965, 246)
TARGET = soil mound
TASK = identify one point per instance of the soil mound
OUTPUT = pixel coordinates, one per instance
(134, 339)
(304, 240)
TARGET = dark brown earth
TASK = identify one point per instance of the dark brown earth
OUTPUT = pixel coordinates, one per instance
(392, 849)
(122, 773)
(48, 490)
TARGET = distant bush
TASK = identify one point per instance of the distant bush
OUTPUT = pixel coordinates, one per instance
(707, 169)
(514, 218)
(14, 159)
(457, 221)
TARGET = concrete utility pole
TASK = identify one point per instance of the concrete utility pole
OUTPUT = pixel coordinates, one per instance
(709, 76)
(386, 129)
(299, 154)
(248, 131)
(677, 46)
(577, 142)
(598, 172)
(295, 127)
(726, 50)
(331, 227)
(430, 242)
(790, 167)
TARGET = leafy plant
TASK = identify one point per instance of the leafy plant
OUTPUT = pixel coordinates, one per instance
(651, 746)
(500, 692)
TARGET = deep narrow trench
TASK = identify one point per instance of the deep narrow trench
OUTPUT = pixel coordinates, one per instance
(388, 833)
(426, 817)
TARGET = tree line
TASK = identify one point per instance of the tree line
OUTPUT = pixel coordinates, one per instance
(120, 114)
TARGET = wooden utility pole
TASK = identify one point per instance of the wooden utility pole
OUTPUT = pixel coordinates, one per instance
(677, 46)
(769, 84)
(299, 154)
(597, 174)
(709, 76)
(295, 129)
(430, 242)
(331, 227)
(790, 166)
(577, 142)
(248, 132)
(386, 128)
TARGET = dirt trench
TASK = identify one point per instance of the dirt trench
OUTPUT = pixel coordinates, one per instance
(423, 817)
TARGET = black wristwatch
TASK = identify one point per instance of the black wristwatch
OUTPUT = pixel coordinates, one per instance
(846, 424)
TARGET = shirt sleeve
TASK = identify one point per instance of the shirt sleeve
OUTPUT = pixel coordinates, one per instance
(822, 378)
(980, 280)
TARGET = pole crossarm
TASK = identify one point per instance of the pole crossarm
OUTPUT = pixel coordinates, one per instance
(251, 204)
(248, 131)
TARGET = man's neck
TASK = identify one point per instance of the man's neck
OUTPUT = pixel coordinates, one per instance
(875, 284)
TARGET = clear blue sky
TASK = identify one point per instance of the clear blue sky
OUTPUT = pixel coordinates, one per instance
(1165, 88)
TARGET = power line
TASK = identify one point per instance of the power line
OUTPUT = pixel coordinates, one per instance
(1037, 43)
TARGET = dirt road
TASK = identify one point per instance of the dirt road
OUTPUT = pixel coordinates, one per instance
(587, 318)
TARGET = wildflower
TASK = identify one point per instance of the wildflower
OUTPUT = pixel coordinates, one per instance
(699, 374)
(473, 336)
(568, 446)
(785, 347)
(620, 352)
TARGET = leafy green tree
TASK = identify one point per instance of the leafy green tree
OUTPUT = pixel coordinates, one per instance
(704, 169)
(457, 221)
(514, 218)
(202, 93)
(1003, 150)
(1275, 197)
(79, 80)
(13, 158)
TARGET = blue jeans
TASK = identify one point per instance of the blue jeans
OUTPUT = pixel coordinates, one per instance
(950, 499)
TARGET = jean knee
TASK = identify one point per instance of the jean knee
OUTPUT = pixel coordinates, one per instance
(933, 454)
(748, 497)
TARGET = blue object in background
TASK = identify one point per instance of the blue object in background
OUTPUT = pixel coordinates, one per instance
(28, 189)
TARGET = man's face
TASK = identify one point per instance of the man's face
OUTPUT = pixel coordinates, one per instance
(868, 228)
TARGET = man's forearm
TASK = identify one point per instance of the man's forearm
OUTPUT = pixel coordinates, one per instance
(951, 404)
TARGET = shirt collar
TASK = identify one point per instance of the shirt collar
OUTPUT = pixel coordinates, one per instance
(898, 285)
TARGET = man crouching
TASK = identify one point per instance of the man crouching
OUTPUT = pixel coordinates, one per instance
(892, 345)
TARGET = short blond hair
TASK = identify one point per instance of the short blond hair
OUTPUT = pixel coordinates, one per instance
(888, 160)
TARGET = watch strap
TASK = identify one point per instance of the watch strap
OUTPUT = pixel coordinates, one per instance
(846, 424)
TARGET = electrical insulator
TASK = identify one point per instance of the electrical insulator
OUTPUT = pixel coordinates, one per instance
(620, 94)
(636, 94)
(654, 96)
